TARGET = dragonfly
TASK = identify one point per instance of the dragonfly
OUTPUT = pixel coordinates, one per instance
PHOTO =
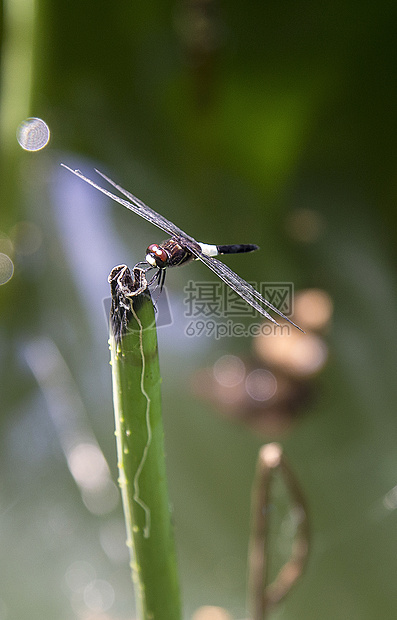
(181, 248)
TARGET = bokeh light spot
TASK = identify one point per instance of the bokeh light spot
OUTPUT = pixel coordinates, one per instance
(261, 384)
(209, 612)
(308, 356)
(99, 595)
(299, 354)
(305, 225)
(313, 308)
(33, 134)
(88, 466)
(229, 370)
(6, 268)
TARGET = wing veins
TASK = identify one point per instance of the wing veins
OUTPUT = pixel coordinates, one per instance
(241, 287)
(172, 228)
(135, 205)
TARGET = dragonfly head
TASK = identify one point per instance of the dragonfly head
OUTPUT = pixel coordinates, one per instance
(156, 256)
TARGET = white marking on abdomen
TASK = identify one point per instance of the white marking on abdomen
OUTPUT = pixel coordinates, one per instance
(209, 250)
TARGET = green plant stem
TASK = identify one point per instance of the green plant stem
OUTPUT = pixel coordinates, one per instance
(140, 448)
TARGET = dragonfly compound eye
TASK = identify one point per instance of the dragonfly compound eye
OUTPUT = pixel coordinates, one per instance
(156, 256)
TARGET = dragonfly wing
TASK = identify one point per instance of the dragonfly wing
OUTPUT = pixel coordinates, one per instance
(135, 205)
(241, 287)
(172, 229)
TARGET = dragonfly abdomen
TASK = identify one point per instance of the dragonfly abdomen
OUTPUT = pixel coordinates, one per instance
(237, 249)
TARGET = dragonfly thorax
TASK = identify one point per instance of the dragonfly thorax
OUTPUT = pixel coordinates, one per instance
(167, 254)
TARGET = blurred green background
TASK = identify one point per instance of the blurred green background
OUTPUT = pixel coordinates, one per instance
(231, 119)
